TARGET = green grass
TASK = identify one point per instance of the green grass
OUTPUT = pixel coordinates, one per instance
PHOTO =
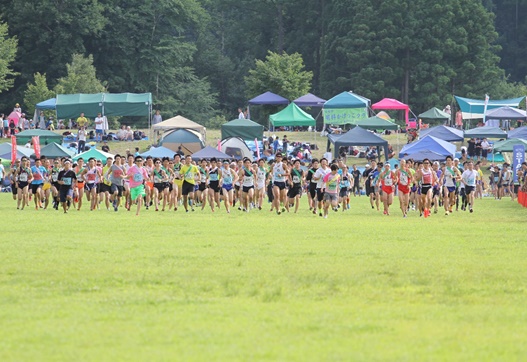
(106, 286)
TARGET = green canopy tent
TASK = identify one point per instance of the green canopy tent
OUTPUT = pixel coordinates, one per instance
(243, 128)
(95, 153)
(45, 137)
(507, 145)
(292, 116)
(72, 105)
(434, 114)
(376, 123)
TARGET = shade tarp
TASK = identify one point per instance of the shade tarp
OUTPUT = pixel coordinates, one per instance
(243, 128)
(158, 152)
(54, 150)
(358, 137)
(127, 104)
(95, 153)
(485, 132)
(189, 141)
(47, 104)
(377, 123)
(444, 133)
(21, 151)
(309, 100)
(45, 136)
(506, 113)
(474, 108)
(392, 104)
(434, 114)
(508, 145)
(292, 116)
(520, 132)
(208, 153)
(269, 98)
(429, 143)
(419, 156)
(72, 105)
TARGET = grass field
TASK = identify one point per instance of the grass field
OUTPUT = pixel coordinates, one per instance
(358, 286)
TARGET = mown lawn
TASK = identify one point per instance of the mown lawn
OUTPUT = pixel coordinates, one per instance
(358, 286)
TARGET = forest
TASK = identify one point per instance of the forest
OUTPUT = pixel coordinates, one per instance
(206, 58)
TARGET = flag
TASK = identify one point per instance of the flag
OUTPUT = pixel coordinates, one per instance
(219, 145)
(257, 148)
(36, 146)
(485, 108)
(518, 153)
(13, 149)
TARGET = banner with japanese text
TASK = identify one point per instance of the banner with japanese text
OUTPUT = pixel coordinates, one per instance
(344, 115)
(518, 153)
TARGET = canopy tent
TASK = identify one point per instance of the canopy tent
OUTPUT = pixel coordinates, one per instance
(392, 104)
(434, 114)
(520, 132)
(180, 122)
(243, 128)
(158, 152)
(48, 104)
(419, 156)
(189, 141)
(236, 148)
(54, 150)
(45, 137)
(127, 104)
(21, 151)
(485, 132)
(357, 136)
(508, 144)
(110, 104)
(345, 108)
(269, 98)
(208, 153)
(377, 123)
(429, 143)
(474, 108)
(309, 100)
(444, 133)
(95, 153)
(292, 116)
(506, 113)
(14, 116)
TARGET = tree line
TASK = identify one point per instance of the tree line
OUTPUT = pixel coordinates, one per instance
(205, 58)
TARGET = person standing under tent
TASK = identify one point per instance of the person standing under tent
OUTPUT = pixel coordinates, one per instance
(99, 124)
(82, 121)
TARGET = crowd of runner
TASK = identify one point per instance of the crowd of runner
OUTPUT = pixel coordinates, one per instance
(171, 183)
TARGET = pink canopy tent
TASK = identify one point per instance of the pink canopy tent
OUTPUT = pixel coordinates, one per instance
(15, 116)
(390, 103)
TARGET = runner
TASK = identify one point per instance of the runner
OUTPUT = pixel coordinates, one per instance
(190, 174)
(322, 171)
(105, 187)
(137, 176)
(331, 182)
(312, 187)
(248, 177)
(436, 190)
(14, 178)
(214, 184)
(427, 178)
(368, 175)
(40, 174)
(345, 186)
(116, 175)
(356, 181)
(404, 180)
(66, 179)
(449, 177)
(505, 181)
(261, 180)
(280, 173)
(80, 171)
(178, 181)
(228, 177)
(160, 179)
(55, 185)
(386, 181)
(46, 187)
(201, 194)
(24, 177)
(296, 178)
(468, 178)
(92, 176)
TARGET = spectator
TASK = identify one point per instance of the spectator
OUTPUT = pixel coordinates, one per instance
(121, 134)
(136, 151)
(285, 144)
(157, 118)
(105, 147)
(5, 125)
(70, 124)
(50, 124)
(42, 120)
(60, 125)
(129, 134)
(82, 121)
(81, 140)
(241, 115)
(17, 108)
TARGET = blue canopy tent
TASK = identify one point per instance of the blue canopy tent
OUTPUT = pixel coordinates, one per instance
(358, 137)
(345, 108)
(159, 152)
(429, 143)
(210, 152)
(520, 132)
(444, 133)
(269, 98)
(47, 104)
(419, 156)
(505, 114)
(485, 132)
(309, 100)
